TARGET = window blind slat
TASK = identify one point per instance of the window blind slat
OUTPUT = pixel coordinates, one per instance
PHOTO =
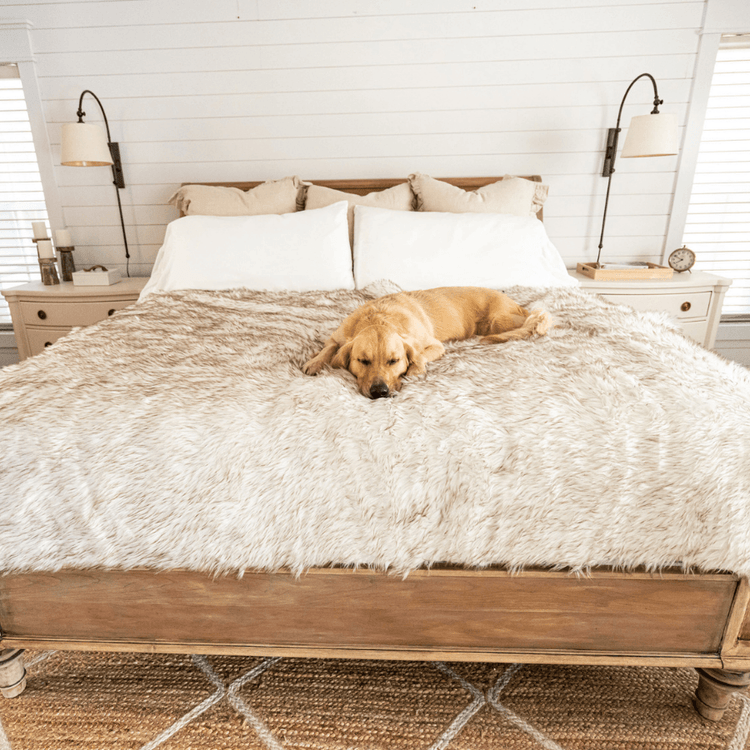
(712, 127)
(723, 113)
(729, 202)
(34, 168)
(731, 143)
(21, 198)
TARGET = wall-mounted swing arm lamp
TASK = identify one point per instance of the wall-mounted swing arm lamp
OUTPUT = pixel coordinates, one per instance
(84, 145)
(654, 134)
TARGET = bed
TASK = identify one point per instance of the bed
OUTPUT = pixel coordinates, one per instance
(558, 517)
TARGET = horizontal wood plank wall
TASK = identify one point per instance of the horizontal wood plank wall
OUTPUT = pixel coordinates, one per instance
(236, 90)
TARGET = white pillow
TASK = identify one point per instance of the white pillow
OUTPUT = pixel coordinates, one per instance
(301, 252)
(424, 250)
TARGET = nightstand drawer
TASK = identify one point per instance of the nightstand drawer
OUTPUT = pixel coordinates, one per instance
(69, 313)
(683, 305)
(40, 338)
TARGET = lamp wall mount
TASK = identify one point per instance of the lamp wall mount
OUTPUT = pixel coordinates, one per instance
(119, 177)
(609, 154)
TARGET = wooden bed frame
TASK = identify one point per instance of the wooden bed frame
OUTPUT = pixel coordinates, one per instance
(445, 613)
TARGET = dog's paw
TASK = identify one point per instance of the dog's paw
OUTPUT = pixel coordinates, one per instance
(416, 367)
(313, 367)
(542, 322)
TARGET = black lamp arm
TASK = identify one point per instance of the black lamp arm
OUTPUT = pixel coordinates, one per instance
(114, 148)
(119, 178)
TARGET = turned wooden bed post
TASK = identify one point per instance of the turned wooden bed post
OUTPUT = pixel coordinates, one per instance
(717, 685)
(715, 690)
(12, 672)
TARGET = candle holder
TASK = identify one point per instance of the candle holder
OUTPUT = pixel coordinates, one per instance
(67, 264)
(44, 273)
(48, 267)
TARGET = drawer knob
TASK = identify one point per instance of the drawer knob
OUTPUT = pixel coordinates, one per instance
(42, 315)
(47, 343)
(111, 312)
(685, 306)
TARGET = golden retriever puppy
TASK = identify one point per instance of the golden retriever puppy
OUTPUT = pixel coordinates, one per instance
(396, 335)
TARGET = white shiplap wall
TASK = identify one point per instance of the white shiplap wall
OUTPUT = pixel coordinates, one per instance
(261, 89)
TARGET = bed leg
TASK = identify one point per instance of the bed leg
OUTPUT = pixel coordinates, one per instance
(715, 689)
(12, 672)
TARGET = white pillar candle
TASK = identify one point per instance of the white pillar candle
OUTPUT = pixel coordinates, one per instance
(62, 238)
(45, 249)
(40, 229)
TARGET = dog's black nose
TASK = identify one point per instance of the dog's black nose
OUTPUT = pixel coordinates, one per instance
(379, 390)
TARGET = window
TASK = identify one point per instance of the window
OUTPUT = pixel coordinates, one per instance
(21, 195)
(718, 218)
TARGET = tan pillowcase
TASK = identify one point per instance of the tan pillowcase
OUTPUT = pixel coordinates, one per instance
(272, 197)
(398, 198)
(511, 195)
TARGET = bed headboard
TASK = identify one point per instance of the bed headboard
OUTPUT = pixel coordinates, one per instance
(362, 187)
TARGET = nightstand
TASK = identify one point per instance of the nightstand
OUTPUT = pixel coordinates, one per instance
(42, 314)
(694, 300)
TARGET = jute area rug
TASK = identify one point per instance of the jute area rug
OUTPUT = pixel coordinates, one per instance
(174, 702)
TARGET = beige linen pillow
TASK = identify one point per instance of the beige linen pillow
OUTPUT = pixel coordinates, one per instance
(511, 195)
(397, 198)
(271, 197)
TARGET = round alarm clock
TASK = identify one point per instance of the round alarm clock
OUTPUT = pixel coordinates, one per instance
(682, 259)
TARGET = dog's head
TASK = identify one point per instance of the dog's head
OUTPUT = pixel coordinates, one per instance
(378, 357)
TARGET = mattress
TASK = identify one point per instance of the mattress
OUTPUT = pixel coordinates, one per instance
(181, 433)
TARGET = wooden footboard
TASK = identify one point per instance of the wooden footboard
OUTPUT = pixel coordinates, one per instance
(449, 614)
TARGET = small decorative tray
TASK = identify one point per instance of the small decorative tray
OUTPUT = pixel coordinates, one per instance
(96, 276)
(649, 271)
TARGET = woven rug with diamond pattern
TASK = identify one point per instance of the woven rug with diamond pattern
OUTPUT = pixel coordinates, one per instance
(82, 701)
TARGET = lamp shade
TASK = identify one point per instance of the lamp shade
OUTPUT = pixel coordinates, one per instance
(651, 135)
(84, 145)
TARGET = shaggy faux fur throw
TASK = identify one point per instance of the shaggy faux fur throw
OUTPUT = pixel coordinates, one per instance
(181, 433)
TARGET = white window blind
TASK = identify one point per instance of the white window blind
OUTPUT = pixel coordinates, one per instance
(718, 220)
(21, 194)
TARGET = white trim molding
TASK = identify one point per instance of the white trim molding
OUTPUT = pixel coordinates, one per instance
(16, 48)
(16, 43)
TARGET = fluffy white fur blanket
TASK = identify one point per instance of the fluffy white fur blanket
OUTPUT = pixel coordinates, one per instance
(182, 433)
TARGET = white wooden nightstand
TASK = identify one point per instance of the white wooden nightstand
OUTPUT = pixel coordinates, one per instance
(42, 314)
(694, 300)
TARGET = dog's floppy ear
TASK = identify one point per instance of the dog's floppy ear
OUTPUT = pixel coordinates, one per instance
(343, 356)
